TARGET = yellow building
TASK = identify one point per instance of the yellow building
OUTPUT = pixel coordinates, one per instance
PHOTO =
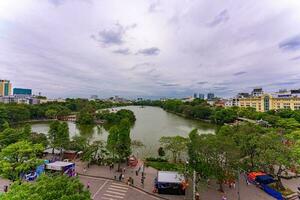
(5, 88)
(268, 102)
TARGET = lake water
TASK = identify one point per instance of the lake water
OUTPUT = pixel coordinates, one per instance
(151, 124)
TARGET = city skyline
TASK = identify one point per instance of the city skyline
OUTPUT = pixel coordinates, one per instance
(66, 48)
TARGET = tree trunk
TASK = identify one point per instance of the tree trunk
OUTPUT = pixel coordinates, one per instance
(119, 165)
(174, 157)
(279, 184)
(221, 186)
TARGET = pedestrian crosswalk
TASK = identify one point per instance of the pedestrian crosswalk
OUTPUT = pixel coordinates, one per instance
(115, 191)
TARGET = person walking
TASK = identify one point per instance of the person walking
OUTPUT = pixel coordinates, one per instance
(88, 185)
(120, 177)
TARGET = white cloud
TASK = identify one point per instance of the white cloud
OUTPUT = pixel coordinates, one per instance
(229, 46)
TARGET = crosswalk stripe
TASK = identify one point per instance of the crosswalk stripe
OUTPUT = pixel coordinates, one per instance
(117, 193)
(118, 184)
(114, 196)
(117, 189)
(124, 188)
(107, 198)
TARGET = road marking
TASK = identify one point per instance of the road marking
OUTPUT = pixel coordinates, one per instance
(114, 196)
(107, 198)
(119, 184)
(100, 188)
(116, 189)
(124, 188)
(117, 193)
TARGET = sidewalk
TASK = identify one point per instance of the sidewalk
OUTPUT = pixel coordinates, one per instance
(104, 171)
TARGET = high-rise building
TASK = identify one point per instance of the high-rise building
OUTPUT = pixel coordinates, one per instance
(195, 95)
(5, 88)
(201, 96)
(22, 91)
(210, 96)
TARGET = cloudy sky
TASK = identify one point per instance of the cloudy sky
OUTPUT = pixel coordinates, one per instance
(149, 48)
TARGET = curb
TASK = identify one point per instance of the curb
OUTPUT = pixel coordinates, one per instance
(138, 188)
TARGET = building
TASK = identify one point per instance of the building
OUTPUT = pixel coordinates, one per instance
(94, 97)
(22, 91)
(257, 92)
(210, 96)
(201, 96)
(5, 88)
(275, 101)
(195, 95)
(19, 99)
(187, 99)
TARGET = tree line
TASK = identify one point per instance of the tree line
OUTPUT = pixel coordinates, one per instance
(15, 113)
(200, 109)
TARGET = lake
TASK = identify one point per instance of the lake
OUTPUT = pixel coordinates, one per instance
(151, 124)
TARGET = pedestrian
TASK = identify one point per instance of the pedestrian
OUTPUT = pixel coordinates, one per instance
(88, 185)
(128, 181)
(136, 172)
(123, 177)
(233, 184)
(224, 197)
(197, 196)
(84, 170)
(124, 169)
(120, 177)
(131, 181)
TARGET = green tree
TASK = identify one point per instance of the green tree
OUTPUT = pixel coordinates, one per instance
(274, 153)
(51, 114)
(123, 149)
(48, 188)
(112, 140)
(53, 134)
(213, 156)
(63, 137)
(78, 143)
(38, 138)
(95, 153)
(85, 118)
(176, 145)
(3, 117)
(288, 124)
(119, 142)
(246, 137)
(17, 113)
(19, 157)
(221, 116)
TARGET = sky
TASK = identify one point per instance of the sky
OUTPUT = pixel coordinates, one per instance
(149, 48)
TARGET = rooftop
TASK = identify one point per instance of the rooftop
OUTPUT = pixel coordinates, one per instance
(169, 177)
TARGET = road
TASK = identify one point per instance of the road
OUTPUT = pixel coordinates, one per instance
(102, 189)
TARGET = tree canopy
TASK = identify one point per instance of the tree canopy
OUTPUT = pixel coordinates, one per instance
(48, 188)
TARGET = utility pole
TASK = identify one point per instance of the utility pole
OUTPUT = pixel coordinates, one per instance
(194, 185)
(238, 184)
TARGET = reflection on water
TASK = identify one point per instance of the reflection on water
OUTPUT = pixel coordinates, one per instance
(151, 124)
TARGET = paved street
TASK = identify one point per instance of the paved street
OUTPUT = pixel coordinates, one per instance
(102, 189)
